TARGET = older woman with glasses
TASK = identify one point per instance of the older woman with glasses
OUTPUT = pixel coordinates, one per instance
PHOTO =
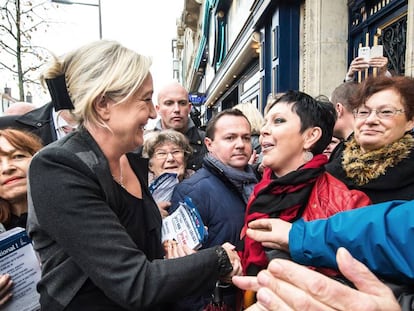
(168, 152)
(379, 159)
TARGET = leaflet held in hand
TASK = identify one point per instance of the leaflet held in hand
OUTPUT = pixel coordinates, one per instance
(18, 258)
(163, 186)
(185, 226)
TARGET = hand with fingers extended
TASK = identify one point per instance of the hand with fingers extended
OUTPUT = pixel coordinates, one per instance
(357, 64)
(285, 285)
(5, 286)
(271, 232)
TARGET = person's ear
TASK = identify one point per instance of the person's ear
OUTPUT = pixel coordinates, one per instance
(208, 142)
(157, 108)
(150, 166)
(409, 125)
(339, 110)
(102, 107)
(311, 136)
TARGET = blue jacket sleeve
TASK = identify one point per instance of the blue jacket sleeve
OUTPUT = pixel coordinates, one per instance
(380, 236)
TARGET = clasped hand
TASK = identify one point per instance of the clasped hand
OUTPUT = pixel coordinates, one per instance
(173, 249)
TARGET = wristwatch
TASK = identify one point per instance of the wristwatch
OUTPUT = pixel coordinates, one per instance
(224, 264)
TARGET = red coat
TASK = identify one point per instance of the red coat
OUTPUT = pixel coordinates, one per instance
(330, 196)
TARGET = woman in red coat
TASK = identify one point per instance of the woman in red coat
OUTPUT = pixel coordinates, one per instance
(295, 184)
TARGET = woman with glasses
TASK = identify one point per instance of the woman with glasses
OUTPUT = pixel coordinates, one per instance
(294, 185)
(379, 159)
(168, 152)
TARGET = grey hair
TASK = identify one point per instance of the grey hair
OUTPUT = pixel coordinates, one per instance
(159, 138)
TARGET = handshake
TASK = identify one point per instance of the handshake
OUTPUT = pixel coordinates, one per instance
(230, 261)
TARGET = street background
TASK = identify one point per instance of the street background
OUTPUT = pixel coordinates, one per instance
(144, 26)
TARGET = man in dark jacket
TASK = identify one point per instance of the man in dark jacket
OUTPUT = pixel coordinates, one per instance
(44, 121)
(174, 108)
(38, 121)
(221, 188)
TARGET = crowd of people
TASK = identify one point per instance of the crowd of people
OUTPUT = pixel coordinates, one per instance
(307, 207)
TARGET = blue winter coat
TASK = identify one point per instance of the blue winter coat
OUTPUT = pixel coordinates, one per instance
(221, 208)
(381, 236)
(217, 191)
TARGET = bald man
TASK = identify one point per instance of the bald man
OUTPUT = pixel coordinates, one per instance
(19, 108)
(174, 108)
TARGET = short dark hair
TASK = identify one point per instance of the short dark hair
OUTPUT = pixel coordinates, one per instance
(211, 125)
(311, 113)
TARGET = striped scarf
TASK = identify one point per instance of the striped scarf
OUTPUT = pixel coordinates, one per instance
(285, 198)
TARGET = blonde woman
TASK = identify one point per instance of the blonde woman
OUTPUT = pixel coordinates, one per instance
(91, 216)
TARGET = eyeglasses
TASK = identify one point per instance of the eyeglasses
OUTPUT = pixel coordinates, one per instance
(162, 155)
(383, 113)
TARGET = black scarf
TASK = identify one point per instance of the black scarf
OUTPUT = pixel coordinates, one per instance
(285, 198)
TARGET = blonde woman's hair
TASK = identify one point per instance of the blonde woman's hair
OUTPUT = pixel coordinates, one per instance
(101, 68)
(252, 114)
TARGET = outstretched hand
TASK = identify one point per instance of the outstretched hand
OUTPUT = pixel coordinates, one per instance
(380, 62)
(357, 64)
(361, 63)
(285, 285)
(271, 232)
